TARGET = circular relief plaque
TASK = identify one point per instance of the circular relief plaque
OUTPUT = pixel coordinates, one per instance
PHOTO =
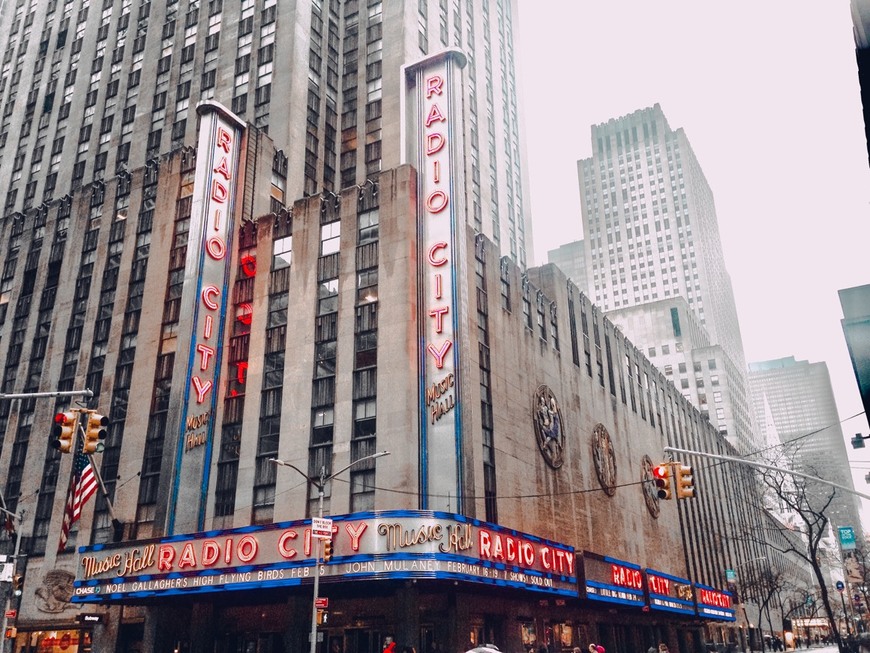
(549, 427)
(648, 486)
(604, 459)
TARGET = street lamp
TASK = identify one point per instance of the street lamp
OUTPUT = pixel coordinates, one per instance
(320, 483)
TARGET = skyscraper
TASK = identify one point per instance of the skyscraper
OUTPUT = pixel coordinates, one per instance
(794, 400)
(89, 91)
(651, 233)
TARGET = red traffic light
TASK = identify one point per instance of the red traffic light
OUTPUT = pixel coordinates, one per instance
(64, 431)
(662, 475)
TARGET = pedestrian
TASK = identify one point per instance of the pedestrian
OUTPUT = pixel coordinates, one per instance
(663, 648)
(652, 649)
(592, 648)
(389, 645)
(576, 650)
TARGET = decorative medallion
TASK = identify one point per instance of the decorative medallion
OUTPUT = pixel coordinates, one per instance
(604, 458)
(549, 427)
(648, 486)
(54, 594)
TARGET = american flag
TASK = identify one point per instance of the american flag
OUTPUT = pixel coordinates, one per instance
(83, 484)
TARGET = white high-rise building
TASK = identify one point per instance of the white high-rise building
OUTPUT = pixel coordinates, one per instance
(794, 401)
(651, 235)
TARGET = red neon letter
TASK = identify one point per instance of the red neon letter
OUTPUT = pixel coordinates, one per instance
(223, 168)
(434, 85)
(201, 388)
(437, 260)
(437, 201)
(247, 549)
(165, 556)
(210, 552)
(249, 265)
(246, 316)
(219, 192)
(434, 114)
(355, 533)
(241, 368)
(224, 138)
(216, 248)
(438, 354)
(434, 142)
(438, 314)
(283, 550)
(188, 556)
(207, 293)
(484, 544)
(207, 352)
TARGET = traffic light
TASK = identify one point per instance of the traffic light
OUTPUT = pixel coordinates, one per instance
(64, 431)
(327, 550)
(11, 632)
(95, 433)
(322, 617)
(685, 482)
(662, 476)
(17, 584)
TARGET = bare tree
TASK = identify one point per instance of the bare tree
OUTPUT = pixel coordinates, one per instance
(805, 505)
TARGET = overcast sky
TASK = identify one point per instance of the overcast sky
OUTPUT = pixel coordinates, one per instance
(767, 92)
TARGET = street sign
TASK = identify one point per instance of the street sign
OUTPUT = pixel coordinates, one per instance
(12, 614)
(321, 602)
(840, 586)
(6, 572)
(321, 527)
(847, 538)
(730, 576)
(810, 600)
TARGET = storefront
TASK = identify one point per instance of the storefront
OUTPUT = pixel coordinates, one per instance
(434, 580)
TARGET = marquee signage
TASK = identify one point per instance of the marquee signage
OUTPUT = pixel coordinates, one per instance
(366, 546)
(611, 580)
(713, 603)
(433, 91)
(206, 294)
(669, 593)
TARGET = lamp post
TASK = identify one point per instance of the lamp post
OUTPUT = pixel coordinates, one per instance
(320, 483)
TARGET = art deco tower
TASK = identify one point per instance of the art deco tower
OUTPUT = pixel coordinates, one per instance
(651, 234)
(90, 90)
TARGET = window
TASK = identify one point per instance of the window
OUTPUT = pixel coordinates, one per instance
(367, 286)
(324, 354)
(327, 297)
(330, 236)
(368, 226)
(364, 418)
(282, 253)
(321, 425)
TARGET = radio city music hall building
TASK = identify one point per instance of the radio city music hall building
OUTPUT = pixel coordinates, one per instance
(516, 505)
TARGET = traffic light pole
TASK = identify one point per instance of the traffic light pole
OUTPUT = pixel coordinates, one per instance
(750, 463)
(18, 519)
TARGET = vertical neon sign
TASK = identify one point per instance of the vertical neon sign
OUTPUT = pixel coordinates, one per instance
(434, 128)
(206, 292)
